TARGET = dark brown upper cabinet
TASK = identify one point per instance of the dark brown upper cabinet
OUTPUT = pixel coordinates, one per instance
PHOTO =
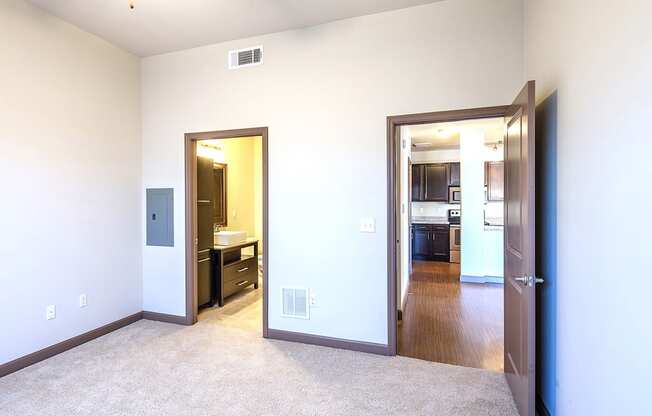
(436, 182)
(219, 194)
(417, 182)
(204, 180)
(430, 182)
(495, 180)
(454, 174)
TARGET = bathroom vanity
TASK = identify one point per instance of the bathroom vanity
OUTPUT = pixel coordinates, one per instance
(233, 270)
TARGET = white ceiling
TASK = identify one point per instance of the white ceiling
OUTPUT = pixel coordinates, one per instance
(159, 26)
(447, 135)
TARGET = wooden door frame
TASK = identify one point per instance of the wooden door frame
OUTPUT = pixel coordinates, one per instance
(393, 162)
(190, 141)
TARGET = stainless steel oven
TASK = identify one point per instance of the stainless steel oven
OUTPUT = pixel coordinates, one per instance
(454, 195)
(455, 243)
(455, 235)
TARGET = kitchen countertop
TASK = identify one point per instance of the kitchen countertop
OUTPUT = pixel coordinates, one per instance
(430, 220)
(494, 227)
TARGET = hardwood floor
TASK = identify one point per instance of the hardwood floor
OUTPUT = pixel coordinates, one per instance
(451, 322)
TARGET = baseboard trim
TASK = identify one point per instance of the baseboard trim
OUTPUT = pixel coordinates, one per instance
(361, 346)
(164, 317)
(480, 279)
(52, 350)
(541, 408)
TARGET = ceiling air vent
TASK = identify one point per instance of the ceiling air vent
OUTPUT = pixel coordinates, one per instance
(245, 57)
(295, 302)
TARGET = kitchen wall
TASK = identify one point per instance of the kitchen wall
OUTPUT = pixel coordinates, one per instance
(70, 172)
(325, 93)
(592, 64)
(434, 209)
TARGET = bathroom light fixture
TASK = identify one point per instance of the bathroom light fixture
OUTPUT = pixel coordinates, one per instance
(132, 4)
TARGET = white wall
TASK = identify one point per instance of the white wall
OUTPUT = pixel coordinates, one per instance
(70, 176)
(597, 56)
(405, 185)
(325, 93)
(472, 183)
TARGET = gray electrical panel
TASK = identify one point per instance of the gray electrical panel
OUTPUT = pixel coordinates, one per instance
(160, 217)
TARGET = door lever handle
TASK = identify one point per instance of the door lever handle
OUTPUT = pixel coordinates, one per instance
(529, 280)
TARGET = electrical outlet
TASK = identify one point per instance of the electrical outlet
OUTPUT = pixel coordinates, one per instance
(83, 301)
(50, 312)
(368, 225)
(313, 299)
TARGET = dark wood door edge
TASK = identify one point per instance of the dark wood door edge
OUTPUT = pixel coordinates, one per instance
(393, 152)
(361, 346)
(541, 408)
(45, 353)
(164, 317)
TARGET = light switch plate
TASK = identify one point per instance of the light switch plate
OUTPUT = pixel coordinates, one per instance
(83, 301)
(368, 225)
(50, 312)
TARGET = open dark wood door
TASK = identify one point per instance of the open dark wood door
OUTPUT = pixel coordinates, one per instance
(520, 282)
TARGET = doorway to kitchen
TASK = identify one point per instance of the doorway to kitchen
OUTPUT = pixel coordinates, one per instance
(227, 227)
(519, 251)
(451, 301)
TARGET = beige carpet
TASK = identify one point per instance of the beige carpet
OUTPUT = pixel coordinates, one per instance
(222, 366)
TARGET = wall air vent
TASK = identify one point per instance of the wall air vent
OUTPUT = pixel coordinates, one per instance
(245, 57)
(295, 302)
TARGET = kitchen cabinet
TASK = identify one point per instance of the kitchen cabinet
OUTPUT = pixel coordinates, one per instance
(495, 180)
(454, 174)
(430, 242)
(430, 181)
(417, 182)
(436, 182)
(421, 242)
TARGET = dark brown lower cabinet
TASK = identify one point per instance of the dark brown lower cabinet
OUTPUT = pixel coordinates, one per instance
(233, 270)
(430, 242)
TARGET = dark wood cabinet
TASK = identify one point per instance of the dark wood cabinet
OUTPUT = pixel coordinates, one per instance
(421, 242)
(454, 174)
(495, 180)
(417, 182)
(436, 182)
(430, 242)
(233, 270)
(440, 242)
(430, 182)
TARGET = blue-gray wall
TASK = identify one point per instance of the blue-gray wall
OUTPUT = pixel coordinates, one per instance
(546, 193)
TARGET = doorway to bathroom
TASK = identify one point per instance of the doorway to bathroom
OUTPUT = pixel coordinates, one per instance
(226, 227)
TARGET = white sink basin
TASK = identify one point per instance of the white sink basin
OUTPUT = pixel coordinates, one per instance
(226, 238)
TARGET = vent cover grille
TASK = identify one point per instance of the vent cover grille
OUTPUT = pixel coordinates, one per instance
(295, 302)
(245, 57)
